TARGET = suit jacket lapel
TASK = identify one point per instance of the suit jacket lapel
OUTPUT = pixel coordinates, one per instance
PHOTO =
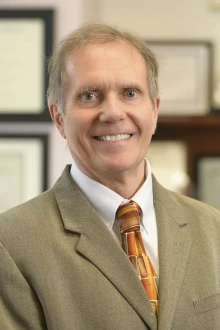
(99, 246)
(174, 247)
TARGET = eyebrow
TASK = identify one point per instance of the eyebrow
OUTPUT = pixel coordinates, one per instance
(96, 87)
(88, 89)
(132, 86)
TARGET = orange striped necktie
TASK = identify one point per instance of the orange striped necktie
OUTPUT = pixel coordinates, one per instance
(132, 243)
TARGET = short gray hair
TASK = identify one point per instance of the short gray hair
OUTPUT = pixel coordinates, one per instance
(94, 33)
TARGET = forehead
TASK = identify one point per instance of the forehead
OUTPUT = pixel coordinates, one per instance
(106, 57)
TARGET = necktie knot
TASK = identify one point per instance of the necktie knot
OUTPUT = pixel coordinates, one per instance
(129, 216)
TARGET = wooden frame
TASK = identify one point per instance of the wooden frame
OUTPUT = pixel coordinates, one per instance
(26, 41)
(185, 77)
(23, 168)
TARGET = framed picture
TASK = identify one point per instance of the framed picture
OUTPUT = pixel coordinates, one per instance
(26, 39)
(208, 180)
(23, 168)
(185, 77)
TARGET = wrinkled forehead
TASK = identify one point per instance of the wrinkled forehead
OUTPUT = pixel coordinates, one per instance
(75, 55)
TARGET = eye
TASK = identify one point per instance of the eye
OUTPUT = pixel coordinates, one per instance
(87, 96)
(131, 93)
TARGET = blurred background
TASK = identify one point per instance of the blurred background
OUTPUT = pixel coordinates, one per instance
(185, 152)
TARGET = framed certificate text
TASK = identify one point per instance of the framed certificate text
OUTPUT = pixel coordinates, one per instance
(185, 70)
(25, 43)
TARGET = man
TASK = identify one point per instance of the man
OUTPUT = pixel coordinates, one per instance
(62, 266)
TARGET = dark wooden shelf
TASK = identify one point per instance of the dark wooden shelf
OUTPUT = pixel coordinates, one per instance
(210, 121)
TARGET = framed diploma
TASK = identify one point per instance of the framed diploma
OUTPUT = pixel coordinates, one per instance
(208, 180)
(23, 168)
(185, 77)
(26, 38)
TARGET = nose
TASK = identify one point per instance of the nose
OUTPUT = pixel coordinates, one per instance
(112, 110)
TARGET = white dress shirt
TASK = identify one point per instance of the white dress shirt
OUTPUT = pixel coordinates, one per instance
(106, 202)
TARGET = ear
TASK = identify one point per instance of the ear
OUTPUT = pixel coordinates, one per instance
(57, 118)
(155, 114)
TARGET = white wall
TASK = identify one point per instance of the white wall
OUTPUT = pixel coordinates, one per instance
(168, 19)
(159, 19)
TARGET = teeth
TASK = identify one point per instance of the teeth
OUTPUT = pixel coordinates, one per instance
(117, 137)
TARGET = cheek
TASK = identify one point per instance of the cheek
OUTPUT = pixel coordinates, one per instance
(72, 125)
(147, 123)
(76, 131)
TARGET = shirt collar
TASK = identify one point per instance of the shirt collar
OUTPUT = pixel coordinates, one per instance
(106, 202)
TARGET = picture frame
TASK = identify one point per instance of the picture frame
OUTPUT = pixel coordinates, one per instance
(26, 41)
(185, 76)
(208, 179)
(23, 168)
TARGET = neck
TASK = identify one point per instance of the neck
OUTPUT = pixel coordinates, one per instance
(126, 189)
(123, 183)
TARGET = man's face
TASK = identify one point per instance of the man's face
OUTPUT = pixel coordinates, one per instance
(109, 118)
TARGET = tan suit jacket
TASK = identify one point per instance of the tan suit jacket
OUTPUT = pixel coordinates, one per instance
(61, 268)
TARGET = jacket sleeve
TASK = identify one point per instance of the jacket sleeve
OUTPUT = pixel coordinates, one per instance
(20, 308)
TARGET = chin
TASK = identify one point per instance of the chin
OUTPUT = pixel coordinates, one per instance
(114, 167)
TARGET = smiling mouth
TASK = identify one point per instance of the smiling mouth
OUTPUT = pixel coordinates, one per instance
(118, 137)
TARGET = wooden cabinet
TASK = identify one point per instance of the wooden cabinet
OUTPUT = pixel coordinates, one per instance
(201, 136)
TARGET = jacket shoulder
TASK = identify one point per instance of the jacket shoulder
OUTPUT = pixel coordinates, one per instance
(181, 205)
(194, 205)
(29, 213)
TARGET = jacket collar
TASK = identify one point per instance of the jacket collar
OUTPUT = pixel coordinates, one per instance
(174, 247)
